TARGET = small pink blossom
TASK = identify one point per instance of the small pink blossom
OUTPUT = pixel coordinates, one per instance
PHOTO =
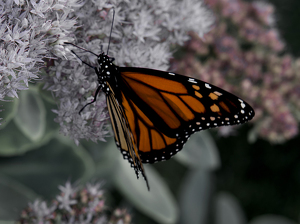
(246, 58)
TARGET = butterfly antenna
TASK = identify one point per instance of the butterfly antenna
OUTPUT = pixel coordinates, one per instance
(83, 61)
(112, 24)
(81, 48)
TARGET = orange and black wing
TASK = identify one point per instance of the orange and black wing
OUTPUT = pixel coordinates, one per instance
(163, 109)
(123, 135)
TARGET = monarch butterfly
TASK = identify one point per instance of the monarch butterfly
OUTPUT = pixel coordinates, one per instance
(153, 113)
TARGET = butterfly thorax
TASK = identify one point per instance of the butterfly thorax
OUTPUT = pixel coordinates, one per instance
(106, 72)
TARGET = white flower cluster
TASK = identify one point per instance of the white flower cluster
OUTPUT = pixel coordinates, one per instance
(72, 205)
(29, 31)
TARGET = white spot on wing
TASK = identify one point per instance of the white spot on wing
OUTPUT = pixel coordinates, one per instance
(207, 86)
(192, 80)
(242, 103)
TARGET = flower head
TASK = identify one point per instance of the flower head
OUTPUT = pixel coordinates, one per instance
(30, 32)
(69, 207)
(247, 58)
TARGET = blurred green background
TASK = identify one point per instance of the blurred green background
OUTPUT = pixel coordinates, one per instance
(214, 180)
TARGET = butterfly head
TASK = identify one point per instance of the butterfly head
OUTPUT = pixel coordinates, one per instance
(104, 59)
(105, 65)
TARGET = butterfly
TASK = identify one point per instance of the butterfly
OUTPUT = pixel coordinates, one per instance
(153, 113)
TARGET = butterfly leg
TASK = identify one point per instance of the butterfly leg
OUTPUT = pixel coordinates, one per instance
(94, 100)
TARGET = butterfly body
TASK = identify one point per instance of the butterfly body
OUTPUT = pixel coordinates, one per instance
(106, 72)
(153, 113)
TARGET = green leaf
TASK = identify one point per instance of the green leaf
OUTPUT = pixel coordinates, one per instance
(194, 197)
(200, 151)
(271, 219)
(14, 142)
(228, 210)
(7, 222)
(42, 170)
(158, 203)
(9, 111)
(107, 159)
(13, 198)
(31, 114)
